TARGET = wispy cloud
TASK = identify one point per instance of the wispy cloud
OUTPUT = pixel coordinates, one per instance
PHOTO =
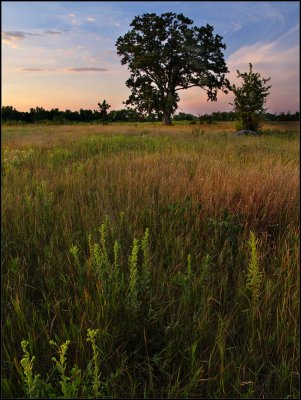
(69, 69)
(264, 54)
(73, 19)
(263, 11)
(18, 34)
(236, 26)
(259, 53)
(108, 17)
(32, 69)
(53, 32)
(86, 69)
(12, 38)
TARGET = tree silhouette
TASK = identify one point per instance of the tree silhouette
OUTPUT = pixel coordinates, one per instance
(165, 55)
(104, 106)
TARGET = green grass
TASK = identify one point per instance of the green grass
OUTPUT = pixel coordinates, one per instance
(176, 249)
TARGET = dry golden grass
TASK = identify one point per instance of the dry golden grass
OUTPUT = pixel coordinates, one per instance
(48, 136)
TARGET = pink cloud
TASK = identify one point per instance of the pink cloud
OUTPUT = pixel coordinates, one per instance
(282, 65)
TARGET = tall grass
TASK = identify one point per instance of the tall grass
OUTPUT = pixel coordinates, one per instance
(178, 254)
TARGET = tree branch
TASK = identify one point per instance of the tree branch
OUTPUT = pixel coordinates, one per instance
(187, 87)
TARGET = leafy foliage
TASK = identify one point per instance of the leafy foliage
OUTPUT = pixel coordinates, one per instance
(30, 381)
(250, 98)
(85, 382)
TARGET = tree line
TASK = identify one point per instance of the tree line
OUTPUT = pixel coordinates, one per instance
(56, 116)
(40, 115)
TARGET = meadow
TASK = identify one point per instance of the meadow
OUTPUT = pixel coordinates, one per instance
(145, 261)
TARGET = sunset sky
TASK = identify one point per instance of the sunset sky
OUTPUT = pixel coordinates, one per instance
(62, 54)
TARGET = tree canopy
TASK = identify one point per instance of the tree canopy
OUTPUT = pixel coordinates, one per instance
(166, 54)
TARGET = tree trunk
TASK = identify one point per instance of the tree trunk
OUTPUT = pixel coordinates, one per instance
(166, 118)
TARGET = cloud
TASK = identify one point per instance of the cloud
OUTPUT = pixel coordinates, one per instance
(74, 21)
(12, 38)
(79, 20)
(71, 69)
(32, 69)
(264, 54)
(278, 57)
(236, 26)
(86, 69)
(36, 69)
(19, 34)
(91, 59)
(262, 11)
(53, 32)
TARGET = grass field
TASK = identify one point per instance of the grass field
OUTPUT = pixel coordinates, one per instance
(176, 247)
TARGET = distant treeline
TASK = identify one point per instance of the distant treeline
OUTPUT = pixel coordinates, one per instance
(40, 115)
(231, 116)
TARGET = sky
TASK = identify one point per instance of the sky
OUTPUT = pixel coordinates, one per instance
(62, 54)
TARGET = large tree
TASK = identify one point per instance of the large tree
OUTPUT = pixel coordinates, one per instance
(165, 54)
(250, 98)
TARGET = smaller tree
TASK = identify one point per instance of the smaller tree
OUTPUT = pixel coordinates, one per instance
(104, 106)
(250, 98)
